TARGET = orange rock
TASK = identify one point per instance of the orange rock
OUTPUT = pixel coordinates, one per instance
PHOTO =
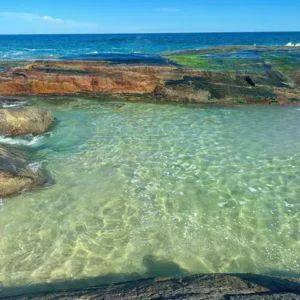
(97, 77)
(164, 82)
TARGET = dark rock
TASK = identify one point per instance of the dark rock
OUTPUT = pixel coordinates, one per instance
(212, 286)
(17, 173)
(250, 81)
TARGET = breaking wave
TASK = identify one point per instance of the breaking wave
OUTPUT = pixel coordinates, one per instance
(10, 105)
(290, 44)
(28, 140)
(35, 166)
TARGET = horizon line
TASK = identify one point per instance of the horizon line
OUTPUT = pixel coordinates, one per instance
(127, 33)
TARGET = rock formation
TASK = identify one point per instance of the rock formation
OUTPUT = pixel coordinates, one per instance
(213, 286)
(17, 121)
(17, 173)
(216, 75)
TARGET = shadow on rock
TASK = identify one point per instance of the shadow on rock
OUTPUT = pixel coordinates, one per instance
(154, 268)
(178, 286)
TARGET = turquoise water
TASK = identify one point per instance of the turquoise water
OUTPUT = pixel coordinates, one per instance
(155, 190)
(93, 46)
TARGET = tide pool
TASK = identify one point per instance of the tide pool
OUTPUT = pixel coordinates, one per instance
(145, 189)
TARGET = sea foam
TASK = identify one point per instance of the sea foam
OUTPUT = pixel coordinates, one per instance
(31, 141)
(35, 166)
(290, 44)
(15, 104)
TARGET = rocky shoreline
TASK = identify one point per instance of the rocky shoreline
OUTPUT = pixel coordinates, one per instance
(163, 83)
(210, 286)
(17, 172)
(216, 75)
(222, 75)
(208, 76)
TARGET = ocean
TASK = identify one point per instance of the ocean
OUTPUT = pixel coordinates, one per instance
(24, 47)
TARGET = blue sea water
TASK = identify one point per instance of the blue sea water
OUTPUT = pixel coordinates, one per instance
(18, 47)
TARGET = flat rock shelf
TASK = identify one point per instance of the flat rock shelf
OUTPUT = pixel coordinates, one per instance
(236, 74)
(218, 286)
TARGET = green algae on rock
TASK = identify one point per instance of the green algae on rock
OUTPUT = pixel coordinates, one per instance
(235, 74)
(238, 58)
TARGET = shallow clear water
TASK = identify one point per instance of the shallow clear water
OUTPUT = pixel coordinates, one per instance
(154, 190)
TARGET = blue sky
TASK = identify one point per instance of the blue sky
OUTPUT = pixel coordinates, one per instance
(133, 16)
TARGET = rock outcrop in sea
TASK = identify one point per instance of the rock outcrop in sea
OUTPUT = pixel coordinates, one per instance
(236, 74)
(17, 172)
(29, 120)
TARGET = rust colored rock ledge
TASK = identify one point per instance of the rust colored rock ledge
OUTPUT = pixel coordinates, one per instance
(170, 83)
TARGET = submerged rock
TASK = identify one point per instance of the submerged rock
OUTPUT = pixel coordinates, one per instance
(17, 121)
(17, 173)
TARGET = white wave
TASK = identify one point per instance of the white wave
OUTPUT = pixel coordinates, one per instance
(33, 141)
(35, 166)
(94, 52)
(33, 49)
(8, 105)
(290, 44)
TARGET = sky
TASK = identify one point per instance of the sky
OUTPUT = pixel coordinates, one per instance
(147, 16)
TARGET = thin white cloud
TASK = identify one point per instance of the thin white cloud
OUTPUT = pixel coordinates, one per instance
(168, 10)
(50, 19)
(47, 19)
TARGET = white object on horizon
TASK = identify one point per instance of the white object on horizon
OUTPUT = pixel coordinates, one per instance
(290, 44)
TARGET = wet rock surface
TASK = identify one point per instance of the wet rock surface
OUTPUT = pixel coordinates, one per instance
(96, 78)
(17, 121)
(235, 74)
(161, 83)
(17, 173)
(239, 286)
